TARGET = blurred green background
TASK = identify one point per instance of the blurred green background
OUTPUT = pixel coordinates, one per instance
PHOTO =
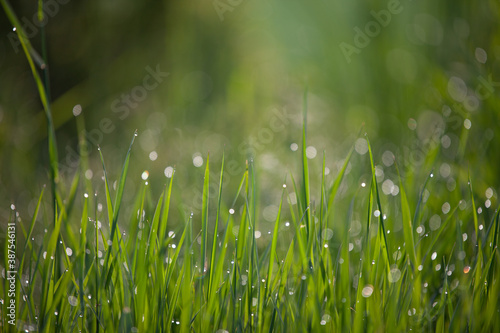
(413, 75)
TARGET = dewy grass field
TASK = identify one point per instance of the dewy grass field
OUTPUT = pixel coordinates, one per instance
(408, 254)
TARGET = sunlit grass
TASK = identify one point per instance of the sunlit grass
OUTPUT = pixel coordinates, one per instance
(152, 270)
(144, 278)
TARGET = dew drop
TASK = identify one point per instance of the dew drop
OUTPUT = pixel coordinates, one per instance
(367, 291)
(73, 301)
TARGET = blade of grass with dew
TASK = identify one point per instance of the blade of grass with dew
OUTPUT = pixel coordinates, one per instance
(121, 184)
(300, 234)
(344, 278)
(109, 203)
(204, 232)
(494, 251)
(171, 268)
(48, 270)
(242, 231)
(383, 241)
(113, 213)
(322, 202)
(166, 210)
(305, 185)
(478, 265)
(141, 270)
(96, 265)
(216, 230)
(298, 196)
(407, 224)
(68, 207)
(272, 254)
(187, 285)
(149, 262)
(218, 269)
(153, 232)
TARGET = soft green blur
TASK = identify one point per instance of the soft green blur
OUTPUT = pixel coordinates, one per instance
(237, 72)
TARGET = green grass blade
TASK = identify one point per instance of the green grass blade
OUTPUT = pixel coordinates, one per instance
(407, 224)
(121, 184)
(274, 242)
(382, 235)
(216, 230)
(204, 222)
(305, 184)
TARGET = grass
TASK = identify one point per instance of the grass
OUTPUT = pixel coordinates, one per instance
(155, 271)
(145, 279)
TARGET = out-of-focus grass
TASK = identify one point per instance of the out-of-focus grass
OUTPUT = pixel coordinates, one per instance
(227, 76)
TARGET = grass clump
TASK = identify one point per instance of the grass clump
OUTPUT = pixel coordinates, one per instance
(318, 275)
(338, 263)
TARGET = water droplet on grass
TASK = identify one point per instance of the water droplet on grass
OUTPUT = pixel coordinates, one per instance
(394, 275)
(73, 301)
(77, 109)
(168, 172)
(367, 291)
